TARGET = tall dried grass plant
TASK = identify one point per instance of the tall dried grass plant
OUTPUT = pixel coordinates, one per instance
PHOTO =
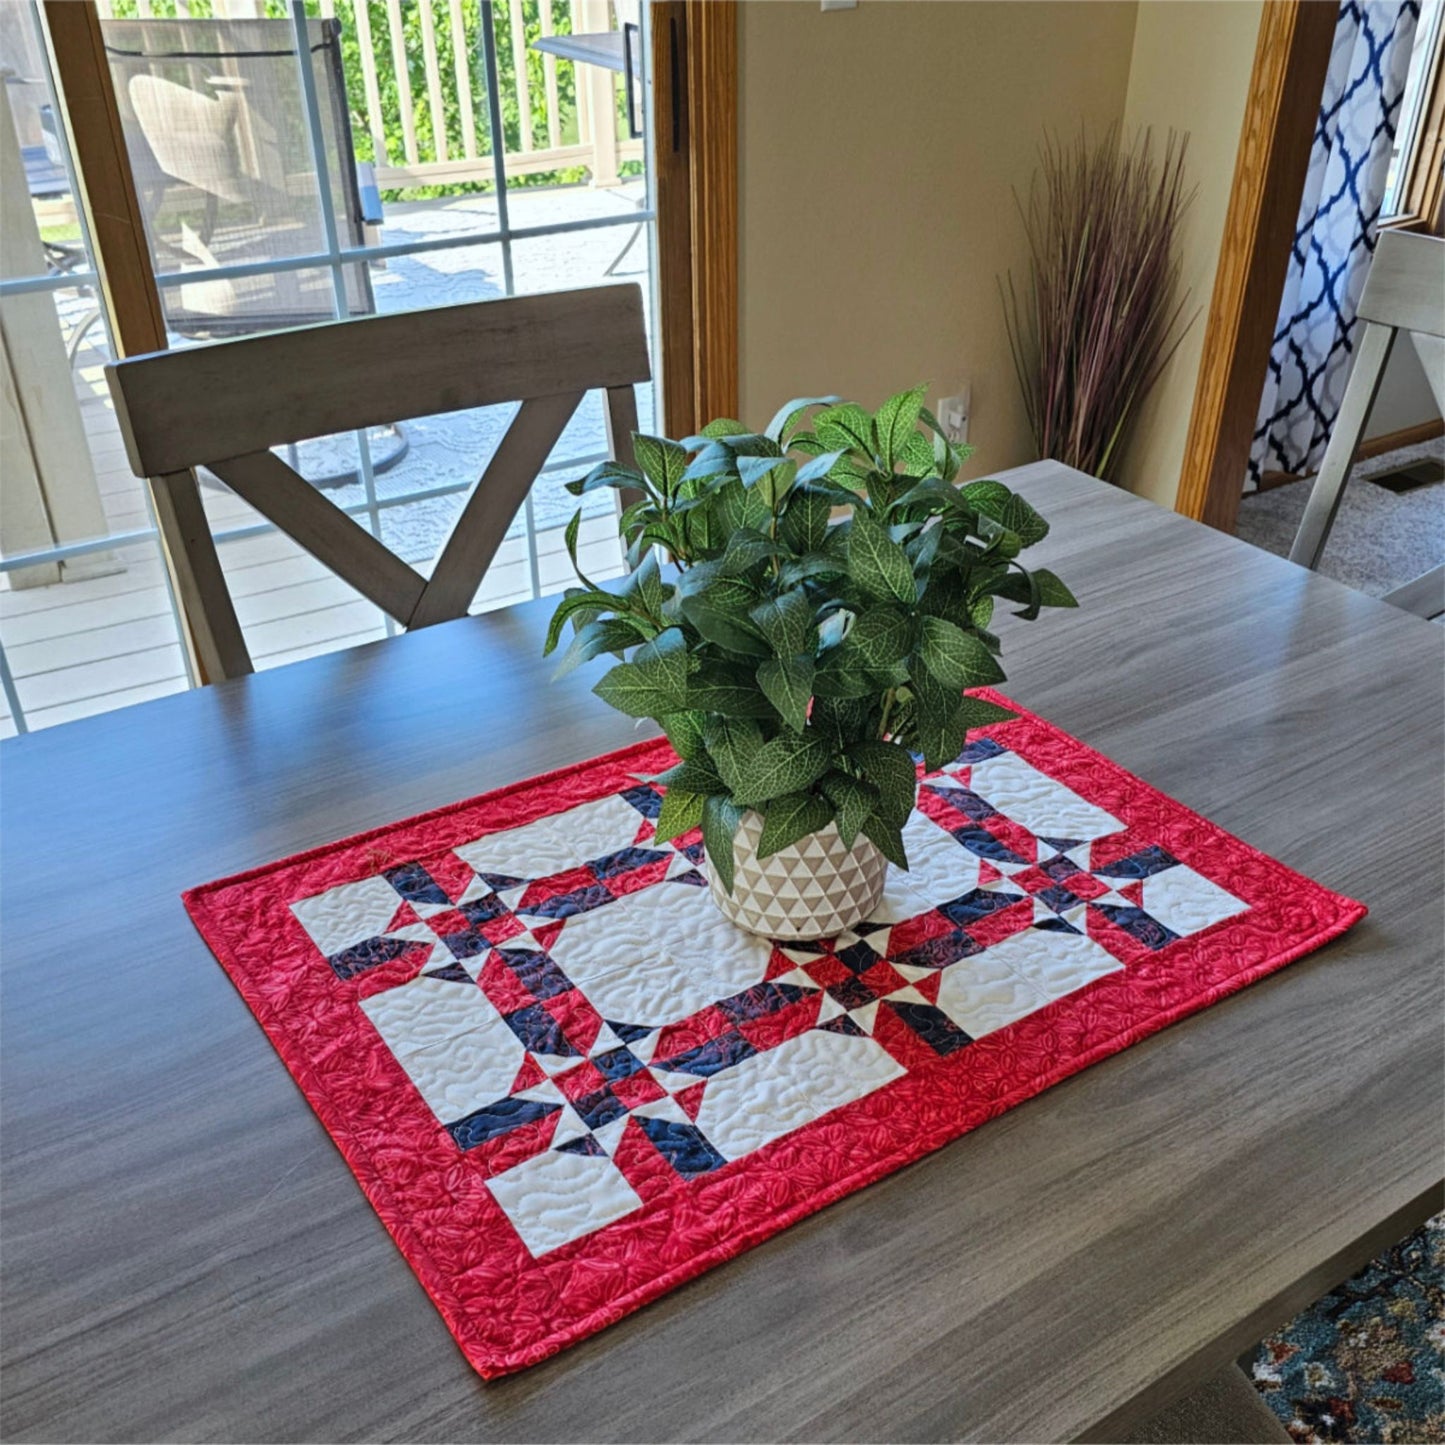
(1101, 311)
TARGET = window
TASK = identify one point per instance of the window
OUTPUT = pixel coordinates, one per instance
(1413, 190)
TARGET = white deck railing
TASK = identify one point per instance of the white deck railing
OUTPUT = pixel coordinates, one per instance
(424, 155)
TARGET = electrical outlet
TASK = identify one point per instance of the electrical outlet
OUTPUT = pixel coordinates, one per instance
(952, 413)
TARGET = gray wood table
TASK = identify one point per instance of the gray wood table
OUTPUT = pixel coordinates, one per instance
(186, 1257)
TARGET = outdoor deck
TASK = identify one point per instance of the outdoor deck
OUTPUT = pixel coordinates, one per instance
(84, 646)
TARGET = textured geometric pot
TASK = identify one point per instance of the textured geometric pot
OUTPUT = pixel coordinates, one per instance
(814, 888)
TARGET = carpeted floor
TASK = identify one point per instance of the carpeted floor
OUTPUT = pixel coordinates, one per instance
(1367, 1362)
(1380, 540)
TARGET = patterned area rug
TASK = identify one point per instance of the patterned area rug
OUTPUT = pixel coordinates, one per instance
(1367, 1362)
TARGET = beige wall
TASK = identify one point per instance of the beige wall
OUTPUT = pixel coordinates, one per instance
(1190, 72)
(1404, 399)
(878, 151)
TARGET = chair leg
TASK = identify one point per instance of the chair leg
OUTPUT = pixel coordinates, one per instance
(190, 553)
(1423, 595)
(1329, 487)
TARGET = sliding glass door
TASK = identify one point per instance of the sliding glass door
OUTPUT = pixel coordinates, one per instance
(298, 162)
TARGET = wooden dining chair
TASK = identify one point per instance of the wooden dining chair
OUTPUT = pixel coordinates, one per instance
(1405, 291)
(224, 406)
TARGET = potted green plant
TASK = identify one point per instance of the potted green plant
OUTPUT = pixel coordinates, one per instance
(825, 602)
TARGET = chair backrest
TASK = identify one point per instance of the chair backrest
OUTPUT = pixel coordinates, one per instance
(217, 106)
(224, 406)
(1404, 291)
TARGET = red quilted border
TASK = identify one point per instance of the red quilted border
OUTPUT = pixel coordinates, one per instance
(508, 1310)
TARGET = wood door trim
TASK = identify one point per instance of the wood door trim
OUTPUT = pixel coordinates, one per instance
(695, 90)
(128, 287)
(1291, 59)
(672, 179)
(110, 200)
(712, 81)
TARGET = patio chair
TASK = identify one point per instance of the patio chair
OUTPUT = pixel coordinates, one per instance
(215, 124)
(1405, 291)
(224, 407)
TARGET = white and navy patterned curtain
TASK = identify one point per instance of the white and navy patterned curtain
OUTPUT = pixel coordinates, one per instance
(1309, 362)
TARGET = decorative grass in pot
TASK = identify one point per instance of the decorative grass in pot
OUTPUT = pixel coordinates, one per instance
(796, 662)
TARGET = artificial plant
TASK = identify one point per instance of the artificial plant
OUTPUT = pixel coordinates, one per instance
(796, 660)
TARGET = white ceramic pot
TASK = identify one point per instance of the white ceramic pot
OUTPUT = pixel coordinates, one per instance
(814, 888)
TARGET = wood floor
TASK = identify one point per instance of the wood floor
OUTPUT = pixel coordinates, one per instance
(85, 646)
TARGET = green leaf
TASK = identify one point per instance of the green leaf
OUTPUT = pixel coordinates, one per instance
(720, 819)
(853, 800)
(939, 730)
(786, 621)
(895, 422)
(880, 637)
(647, 587)
(782, 422)
(835, 678)
(685, 732)
(1024, 588)
(745, 549)
(1023, 521)
(978, 712)
(791, 817)
(852, 477)
(917, 458)
(734, 695)
(878, 564)
(730, 743)
(889, 767)
(955, 657)
(569, 540)
(819, 467)
(986, 496)
(718, 607)
(606, 634)
(922, 549)
(607, 474)
(787, 764)
(573, 602)
(725, 426)
(813, 564)
(846, 428)
(1052, 592)
(804, 522)
(887, 838)
(752, 444)
(787, 683)
(713, 460)
(653, 683)
(681, 811)
(663, 462)
(843, 721)
(934, 491)
(771, 478)
(692, 777)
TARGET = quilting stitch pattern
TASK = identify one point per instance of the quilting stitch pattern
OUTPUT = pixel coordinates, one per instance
(567, 1083)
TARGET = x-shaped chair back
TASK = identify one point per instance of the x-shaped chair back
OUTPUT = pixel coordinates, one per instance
(1405, 291)
(224, 406)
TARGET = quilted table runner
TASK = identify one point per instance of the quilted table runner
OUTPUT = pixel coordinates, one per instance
(567, 1084)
